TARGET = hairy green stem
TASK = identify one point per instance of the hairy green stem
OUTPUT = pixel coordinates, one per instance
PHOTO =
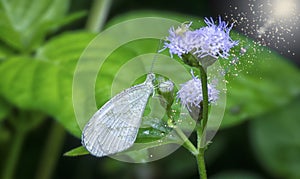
(201, 164)
(203, 77)
(13, 156)
(199, 136)
(52, 151)
(201, 130)
(200, 156)
(98, 15)
(201, 126)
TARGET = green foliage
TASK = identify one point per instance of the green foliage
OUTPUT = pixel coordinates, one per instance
(275, 140)
(76, 152)
(44, 82)
(25, 24)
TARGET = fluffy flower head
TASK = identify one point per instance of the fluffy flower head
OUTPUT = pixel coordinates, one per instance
(180, 40)
(215, 39)
(212, 40)
(190, 94)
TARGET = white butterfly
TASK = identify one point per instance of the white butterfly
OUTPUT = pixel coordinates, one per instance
(114, 127)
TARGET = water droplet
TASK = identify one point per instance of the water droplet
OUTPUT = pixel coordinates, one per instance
(147, 132)
(235, 60)
(243, 51)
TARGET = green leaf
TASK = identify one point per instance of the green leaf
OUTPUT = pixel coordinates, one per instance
(25, 23)
(275, 140)
(149, 135)
(5, 52)
(134, 151)
(71, 18)
(153, 130)
(44, 82)
(262, 81)
(76, 152)
(139, 152)
(34, 84)
(138, 156)
(65, 49)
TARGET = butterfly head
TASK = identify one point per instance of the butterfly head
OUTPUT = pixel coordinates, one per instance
(150, 78)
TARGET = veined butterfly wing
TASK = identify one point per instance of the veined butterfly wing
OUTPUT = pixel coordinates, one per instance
(114, 127)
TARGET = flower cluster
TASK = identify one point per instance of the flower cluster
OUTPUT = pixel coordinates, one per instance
(212, 40)
(190, 94)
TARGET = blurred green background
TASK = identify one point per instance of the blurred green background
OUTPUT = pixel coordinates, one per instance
(40, 43)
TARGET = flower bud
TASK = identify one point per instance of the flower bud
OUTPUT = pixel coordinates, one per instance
(166, 90)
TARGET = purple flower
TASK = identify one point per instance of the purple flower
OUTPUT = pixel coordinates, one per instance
(212, 40)
(181, 40)
(215, 39)
(190, 94)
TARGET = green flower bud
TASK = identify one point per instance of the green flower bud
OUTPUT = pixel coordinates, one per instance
(166, 90)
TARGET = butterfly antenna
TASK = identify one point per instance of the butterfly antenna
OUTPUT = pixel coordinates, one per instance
(157, 53)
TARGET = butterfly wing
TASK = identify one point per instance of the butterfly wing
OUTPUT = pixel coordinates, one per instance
(114, 127)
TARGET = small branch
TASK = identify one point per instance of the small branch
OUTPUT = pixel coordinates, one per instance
(98, 15)
(201, 164)
(13, 156)
(187, 143)
(52, 151)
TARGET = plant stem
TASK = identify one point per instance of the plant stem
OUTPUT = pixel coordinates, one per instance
(203, 77)
(187, 143)
(200, 128)
(98, 15)
(14, 154)
(201, 134)
(201, 164)
(201, 150)
(51, 151)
